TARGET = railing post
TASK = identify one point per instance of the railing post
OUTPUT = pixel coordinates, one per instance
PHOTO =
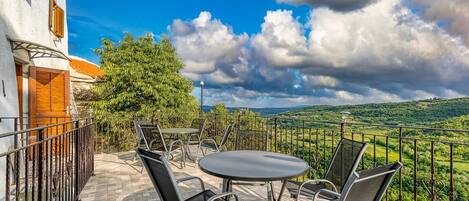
(400, 160)
(275, 133)
(342, 129)
(40, 164)
(77, 125)
(451, 170)
(17, 159)
(238, 122)
(7, 179)
(93, 145)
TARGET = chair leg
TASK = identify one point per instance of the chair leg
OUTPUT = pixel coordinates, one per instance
(204, 152)
(197, 154)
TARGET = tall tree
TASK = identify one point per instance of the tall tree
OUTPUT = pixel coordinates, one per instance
(141, 79)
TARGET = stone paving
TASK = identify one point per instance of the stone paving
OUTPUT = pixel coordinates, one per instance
(118, 177)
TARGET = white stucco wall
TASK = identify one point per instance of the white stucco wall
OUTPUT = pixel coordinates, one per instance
(8, 103)
(30, 22)
(25, 20)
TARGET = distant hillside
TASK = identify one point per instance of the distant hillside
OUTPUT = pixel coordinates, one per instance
(424, 112)
(262, 111)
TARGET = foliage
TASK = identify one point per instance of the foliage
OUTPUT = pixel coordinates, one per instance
(141, 79)
(85, 95)
(423, 112)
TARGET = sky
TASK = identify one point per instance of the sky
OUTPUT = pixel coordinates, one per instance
(285, 53)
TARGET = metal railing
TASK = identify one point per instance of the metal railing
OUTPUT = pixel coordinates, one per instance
(435, 168)
(429, 163)
(48, 162)
(435, 165)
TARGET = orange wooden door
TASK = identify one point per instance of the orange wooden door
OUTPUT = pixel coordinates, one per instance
(49, 99)
(19, 83)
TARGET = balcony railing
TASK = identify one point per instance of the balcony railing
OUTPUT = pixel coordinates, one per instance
(51, 160)
(436, 166)
(436, 161)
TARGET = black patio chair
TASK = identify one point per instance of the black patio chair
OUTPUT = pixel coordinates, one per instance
(211, 143)
(165, 183)
(367, 185)
(344, 163)
(155, 141)
(140, 140)
(195, 138)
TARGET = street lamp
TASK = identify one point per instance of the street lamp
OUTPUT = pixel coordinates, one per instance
(201, 97)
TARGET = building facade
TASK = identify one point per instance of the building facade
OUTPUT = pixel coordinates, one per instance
(34, 65)
(83, 73)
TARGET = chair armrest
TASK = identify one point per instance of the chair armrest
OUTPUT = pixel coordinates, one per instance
(209, 140)
(178, 181)
(316, 195)
(221, 195)
(316, 181)
(151, 144)
(174, 142)
(194, 134)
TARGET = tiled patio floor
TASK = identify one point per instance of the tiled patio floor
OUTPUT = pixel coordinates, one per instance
(118, 177)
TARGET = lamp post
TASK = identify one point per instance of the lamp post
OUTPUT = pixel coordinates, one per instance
(201, 98)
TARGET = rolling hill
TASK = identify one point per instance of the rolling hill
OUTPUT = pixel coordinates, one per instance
(422, 112)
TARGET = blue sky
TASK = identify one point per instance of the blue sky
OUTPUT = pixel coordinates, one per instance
(90, 20)
(283, 53)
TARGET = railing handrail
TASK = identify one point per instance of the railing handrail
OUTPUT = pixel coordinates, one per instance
(377, 125)
(41, 141)
(12, 133)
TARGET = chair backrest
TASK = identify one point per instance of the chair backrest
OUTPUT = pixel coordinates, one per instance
(153, 137)
(369, 185)
(226, 135)
(138, 132)
(161, 175)
(199, 124)
(345, 161)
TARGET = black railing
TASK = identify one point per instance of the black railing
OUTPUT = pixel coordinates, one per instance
(435, 160)
(49, 162)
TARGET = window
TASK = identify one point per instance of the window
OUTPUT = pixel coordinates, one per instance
(56, 19)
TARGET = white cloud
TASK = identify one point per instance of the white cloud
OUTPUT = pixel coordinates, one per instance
(281, 41)
(382, 52)
(207, 46)
(396, 46)
(321, 81)
(453, 12)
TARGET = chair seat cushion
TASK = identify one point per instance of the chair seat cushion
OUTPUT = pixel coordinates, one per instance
(309, 190)
(202, 196)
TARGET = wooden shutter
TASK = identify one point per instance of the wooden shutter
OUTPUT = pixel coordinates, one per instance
(59, 21)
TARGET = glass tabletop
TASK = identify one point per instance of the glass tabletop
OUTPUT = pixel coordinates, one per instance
(179, 130)
(253, 165)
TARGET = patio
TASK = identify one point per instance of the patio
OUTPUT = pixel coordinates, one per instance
(117, 177)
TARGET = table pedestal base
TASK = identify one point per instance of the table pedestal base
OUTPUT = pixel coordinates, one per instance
(227, 186)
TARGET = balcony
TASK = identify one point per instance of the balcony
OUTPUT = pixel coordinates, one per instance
(81, 159)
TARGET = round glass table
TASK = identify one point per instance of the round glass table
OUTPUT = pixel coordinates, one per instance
(253, 166)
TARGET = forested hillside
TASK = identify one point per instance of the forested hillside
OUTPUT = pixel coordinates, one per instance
(423, 112)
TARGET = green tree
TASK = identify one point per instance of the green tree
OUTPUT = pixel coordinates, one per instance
(141, 79)
(219, 109)
(218, 118)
